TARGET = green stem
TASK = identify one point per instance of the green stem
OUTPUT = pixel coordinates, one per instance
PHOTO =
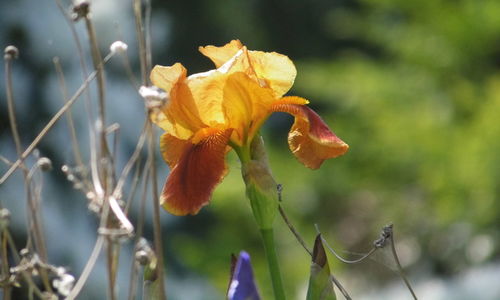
(243, 152)
(272, 260)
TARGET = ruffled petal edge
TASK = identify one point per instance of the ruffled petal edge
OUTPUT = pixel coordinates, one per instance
(310, 139)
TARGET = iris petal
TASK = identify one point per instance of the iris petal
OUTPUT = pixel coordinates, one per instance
(310, 139)
(172, 148)
(180, 115)
(198, 170)
(246, 105)
(242, 285)
(220, 55)
(276, 70)
(269, 69)
(166, 77)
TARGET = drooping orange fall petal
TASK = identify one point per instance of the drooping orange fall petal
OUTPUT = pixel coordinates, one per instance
(199, 169)
(310, 139)
(220, 55)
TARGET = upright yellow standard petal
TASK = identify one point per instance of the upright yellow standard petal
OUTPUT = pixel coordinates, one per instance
(220, 55)
(207, 92)
(246, 105)
(277, 70)
(166, 77)
(270, 69)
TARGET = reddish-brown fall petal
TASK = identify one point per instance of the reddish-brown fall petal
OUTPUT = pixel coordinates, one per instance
(199, 169)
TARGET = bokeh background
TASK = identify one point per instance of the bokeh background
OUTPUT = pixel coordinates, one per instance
(413, 86)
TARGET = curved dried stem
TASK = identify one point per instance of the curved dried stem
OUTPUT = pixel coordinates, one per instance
(69, 116)
(10, 53)
(156, 214)
(400, 268)
(140, 227)
(140, 144)
(52, 121)
(346, 261)
(87, 269)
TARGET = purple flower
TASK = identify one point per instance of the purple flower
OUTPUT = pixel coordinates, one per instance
(242, 286)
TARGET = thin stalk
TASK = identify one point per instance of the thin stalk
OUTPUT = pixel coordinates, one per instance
(37, 225)
(97, 61)
(8, 57)
(303, 244)
(26, 275)
(121, 181)
(145, 62)
(400, 268)
(51, 123)
(341, 287)
(93, 257)
(79, 48)
(133, 187)
(114, 129)
(83, 66)
(69, 116)
(128, 70)
(346, 261)
(272, 260)
(87, 269)
(140, 226)
(5, 266)
(292, 229)
(147, 26)
(10, 53)
(9, 163)
(112, 255)
(139, 28)
(156, 214)
(111, 261)
(106, 173)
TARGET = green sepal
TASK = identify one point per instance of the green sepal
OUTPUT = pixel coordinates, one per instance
(260, 185)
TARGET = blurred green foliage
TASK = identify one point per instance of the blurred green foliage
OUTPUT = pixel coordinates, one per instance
(412, 86)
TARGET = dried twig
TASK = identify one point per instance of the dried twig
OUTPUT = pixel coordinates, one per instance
(156, 215)
(279, 187)
(69, 116)
(52, 121)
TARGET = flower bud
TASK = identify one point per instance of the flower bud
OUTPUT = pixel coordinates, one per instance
(118, 47)
(260, 186)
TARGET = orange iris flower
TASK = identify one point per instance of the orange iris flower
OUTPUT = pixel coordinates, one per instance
(209, 113)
